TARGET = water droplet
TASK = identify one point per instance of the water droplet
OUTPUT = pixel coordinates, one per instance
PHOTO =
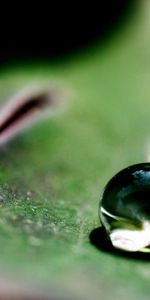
(125, 208)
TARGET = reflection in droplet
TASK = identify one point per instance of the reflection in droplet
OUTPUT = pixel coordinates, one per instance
(125, 208)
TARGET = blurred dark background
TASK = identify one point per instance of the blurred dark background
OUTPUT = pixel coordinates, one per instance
(54, 30)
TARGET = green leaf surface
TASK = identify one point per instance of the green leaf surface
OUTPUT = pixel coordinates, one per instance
(51, 175)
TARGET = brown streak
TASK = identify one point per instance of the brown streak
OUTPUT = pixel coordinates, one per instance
(36, 102)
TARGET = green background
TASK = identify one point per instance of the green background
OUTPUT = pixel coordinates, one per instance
(65, 161)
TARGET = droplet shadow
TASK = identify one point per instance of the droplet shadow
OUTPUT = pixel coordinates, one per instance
(99, 240)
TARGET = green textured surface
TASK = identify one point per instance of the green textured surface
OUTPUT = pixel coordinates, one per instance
(65, 162)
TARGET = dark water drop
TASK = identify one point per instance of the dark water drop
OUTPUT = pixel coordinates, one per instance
(125, 208)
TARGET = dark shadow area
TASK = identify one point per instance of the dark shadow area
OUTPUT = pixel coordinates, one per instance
(56, 31)
(99, 240)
